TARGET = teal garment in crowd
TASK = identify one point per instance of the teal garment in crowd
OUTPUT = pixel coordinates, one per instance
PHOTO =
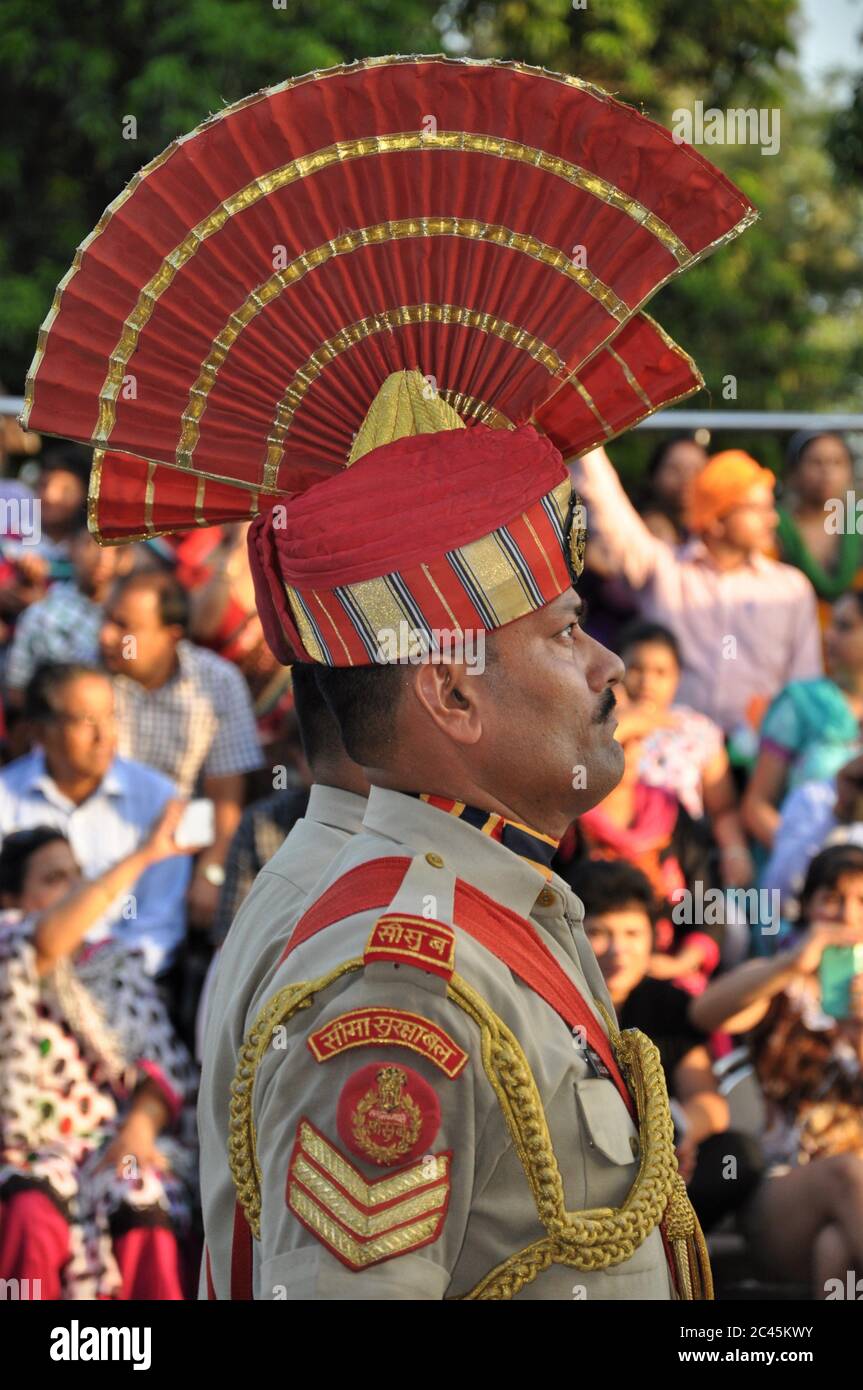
(812, 723)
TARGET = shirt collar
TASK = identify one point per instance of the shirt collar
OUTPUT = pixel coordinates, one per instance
(184, 670)
(333, 806)
(536, 849)
(695, 551)
(39, 779)
(487, 865)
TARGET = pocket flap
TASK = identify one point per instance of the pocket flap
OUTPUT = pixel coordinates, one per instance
(608, 1128)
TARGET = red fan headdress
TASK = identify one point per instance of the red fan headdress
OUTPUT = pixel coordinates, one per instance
(224, 330)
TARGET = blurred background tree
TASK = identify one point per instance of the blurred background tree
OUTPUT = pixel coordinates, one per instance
(72, 72)
(780, 310)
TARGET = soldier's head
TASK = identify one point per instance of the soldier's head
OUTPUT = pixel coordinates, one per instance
(531, 730)
(432, 583)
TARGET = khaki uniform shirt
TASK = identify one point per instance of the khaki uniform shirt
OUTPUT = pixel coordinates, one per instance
(247, 962)
(300, 1103)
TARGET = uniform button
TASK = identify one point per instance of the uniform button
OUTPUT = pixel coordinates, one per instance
(634, 1145)
(435, 860)
(547, 898)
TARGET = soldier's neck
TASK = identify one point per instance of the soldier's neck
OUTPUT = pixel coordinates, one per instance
(548, 821)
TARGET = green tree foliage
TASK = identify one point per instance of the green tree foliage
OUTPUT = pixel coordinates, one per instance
(644, 51)
(779, 310)
(73, 71)
(845, 139)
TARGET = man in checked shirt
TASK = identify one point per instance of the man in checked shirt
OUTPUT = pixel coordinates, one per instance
(183, 710)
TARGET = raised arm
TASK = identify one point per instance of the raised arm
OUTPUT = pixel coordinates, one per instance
(627, 544)
(60, 929)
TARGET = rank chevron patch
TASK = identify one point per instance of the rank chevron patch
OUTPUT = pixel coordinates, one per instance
(365, 1222)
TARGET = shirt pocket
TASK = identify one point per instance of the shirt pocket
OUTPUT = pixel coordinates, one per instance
(610, 1144)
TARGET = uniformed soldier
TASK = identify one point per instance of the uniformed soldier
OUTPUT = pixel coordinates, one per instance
(251, 950)
(435, 1102)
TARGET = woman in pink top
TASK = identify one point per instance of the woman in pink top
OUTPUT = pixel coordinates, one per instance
(681, 750)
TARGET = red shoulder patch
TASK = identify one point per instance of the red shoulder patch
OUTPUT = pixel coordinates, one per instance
(410, 940)
(381, 1026)
(388, 1114)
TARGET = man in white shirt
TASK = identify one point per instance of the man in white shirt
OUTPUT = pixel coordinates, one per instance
(105, 805)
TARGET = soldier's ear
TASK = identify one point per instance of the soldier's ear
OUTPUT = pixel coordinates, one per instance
(450, 699)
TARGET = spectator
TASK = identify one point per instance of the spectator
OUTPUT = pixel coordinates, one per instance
(812, 727)
(649, 829)
(181, 709)
(805, 1221)
(62, 494)
(92, 1077)
(670, 472)
(813, 815)
(264, 826)
(819, 468)
(682, 750)
(215, 569)
(262, 927)
(619, 916)
(719, 594)
(102, 803)
(65, 625)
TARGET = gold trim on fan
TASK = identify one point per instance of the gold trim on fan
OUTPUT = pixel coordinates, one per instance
(343, 150)
(303, 167)
(605, 346)
(471, 407)
(382, 322)
(94, 497)
(380, 233)
(630, 376)
(466, 405)
(592, 406)
(660, 405)
(347, 69)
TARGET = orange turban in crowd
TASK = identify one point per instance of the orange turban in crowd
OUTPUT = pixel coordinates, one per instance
(721, 484)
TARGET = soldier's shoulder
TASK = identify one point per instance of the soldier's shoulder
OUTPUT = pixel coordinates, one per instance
(402, 908)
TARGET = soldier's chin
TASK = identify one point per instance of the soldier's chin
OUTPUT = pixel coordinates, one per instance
(601, 777)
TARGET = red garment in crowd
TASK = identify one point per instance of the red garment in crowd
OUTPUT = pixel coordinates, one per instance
(34, 1246)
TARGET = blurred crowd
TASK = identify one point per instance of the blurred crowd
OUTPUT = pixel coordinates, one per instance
(722, 879)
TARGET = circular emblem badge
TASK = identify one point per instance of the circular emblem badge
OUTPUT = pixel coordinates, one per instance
(388, 1114)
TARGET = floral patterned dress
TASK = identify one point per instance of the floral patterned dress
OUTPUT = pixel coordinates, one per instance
(74, 1046)
(674, 756)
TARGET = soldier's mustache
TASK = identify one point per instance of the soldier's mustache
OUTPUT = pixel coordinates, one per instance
(607, 703)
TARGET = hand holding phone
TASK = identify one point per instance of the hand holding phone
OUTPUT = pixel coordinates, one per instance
(837, 971)
(197, 827)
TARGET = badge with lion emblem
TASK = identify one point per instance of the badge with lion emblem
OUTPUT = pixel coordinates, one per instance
(388, 1114)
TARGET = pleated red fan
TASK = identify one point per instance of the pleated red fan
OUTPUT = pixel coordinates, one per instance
(224, 329)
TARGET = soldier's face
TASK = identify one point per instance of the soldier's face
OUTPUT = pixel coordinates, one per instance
(547, 709)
